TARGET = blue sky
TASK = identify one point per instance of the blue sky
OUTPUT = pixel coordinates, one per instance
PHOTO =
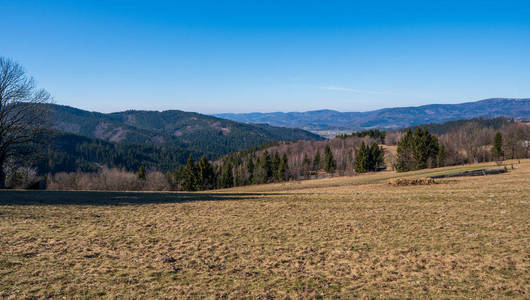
(242, 56)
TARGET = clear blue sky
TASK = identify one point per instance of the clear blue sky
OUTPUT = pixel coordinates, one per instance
(242, 56)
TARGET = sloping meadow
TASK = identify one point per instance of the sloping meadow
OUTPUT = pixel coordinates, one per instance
(460, 237)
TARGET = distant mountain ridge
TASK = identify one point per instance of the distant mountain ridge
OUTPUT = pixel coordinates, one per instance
(320, 121)
(199, 133)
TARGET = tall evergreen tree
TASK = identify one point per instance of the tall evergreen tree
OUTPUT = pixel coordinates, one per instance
(266, 166)
(425, 149)
(368, 158)
(227, 175)
(329, 162)
(189, 175)
(259, 175)
(497, 151)
(283, 168)
(275, 163)
(361, 156)
(316, 161)
(250, 170)
(405, 158)
(377, 157)
(206, 174)
(306, 166)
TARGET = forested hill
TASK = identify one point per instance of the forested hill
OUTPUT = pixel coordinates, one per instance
(159, 140)
(478, 123)
(464, 141)
(187, 129)
(67, 152)
(389, 118)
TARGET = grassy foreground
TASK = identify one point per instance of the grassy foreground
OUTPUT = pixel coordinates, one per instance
(347, 237)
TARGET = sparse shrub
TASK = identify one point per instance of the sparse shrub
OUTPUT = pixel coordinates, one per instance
(21, 177)
(108, 180)
(156, 181)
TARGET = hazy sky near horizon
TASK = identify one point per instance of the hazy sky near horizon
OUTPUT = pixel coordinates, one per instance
(245, 56)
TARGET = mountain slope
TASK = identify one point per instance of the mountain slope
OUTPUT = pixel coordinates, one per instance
(193, 131)
(67, 152)
(389, 118)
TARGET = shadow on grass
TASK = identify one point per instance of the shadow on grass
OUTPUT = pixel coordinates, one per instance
(19, 197)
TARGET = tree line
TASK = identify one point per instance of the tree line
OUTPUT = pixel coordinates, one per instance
(376, 134)
(267, 166)
(23, 131)
(417, 148)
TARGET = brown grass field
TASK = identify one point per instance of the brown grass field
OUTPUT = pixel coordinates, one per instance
(346, 237)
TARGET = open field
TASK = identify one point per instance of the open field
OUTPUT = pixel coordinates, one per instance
(348, 237)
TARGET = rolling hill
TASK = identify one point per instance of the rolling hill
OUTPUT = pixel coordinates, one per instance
(329, 121)
(187, 129)
(83, 140)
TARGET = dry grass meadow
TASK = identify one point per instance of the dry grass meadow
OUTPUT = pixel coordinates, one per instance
(347, 237)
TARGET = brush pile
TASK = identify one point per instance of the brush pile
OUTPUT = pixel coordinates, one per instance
(411, 181)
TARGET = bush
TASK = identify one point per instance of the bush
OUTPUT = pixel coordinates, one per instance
(108, 180)
(21, 178)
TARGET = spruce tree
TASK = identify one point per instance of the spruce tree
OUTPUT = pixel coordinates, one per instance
(206, 174)
(259, 175)
(189, 175)
(420, 149)
(359, 163)
(329, 162)
(283, 168)
(368, 158)
(250, 170)
(404, 152)
(316, 161)
(227, 176)
(306, 165)
(417, 150)
(377, 157)
(497, 151)
(275, 163)
(266, 166)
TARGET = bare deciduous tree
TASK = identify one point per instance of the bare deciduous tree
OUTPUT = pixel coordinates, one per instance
(22, 113)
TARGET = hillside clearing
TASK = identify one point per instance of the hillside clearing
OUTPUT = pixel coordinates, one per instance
(345, 237)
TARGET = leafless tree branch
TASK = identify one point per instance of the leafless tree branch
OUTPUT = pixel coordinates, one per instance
(23, 113)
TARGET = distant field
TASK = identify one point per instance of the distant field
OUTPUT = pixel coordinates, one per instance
(340, 237)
